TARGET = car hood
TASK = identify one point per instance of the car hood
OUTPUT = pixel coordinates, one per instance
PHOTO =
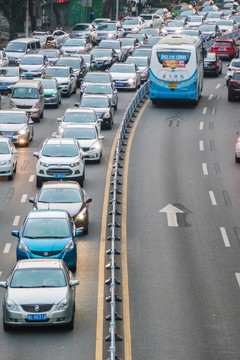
(99, 111)
(11, 127)
(31, 67)
(38, 295)
(60, 160)
(61, 80)
(122, 76)
(8, 79)
(72, 208)
(46, 244)
(4, 157)
(87, 143)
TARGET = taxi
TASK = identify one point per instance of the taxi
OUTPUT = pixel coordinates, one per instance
(52, 91)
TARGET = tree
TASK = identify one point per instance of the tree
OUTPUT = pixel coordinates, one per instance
(107, 5)
(12, 10)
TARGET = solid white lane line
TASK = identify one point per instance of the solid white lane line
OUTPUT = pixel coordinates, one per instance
(218, 86)
(24, 198)
(210, 97)
(204, 110)
(212, 197)
(0, 273)
(213, 110)
(238, 278)
(205, 169)
(201, 145)
(16, 220)
(225, 237)
(201, 124)
(7, 248)
(31, 178)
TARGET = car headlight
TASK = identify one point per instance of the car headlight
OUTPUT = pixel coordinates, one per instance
(54, 95)
(110, 35)
(23, 247)
(107, 115)
(107, 61)
(63, 305)
(44, 164)
(81, 215)
(10, 305)
(75, 164)
(23, 132)
(5, 162)
(69, 246)
(96, 146)
(36, 105)
(131, 81)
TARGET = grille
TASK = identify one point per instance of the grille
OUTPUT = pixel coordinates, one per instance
(46, 253)
(59, 171)
(85, 148)
(8, 133)
(24, 107)
(42, 307)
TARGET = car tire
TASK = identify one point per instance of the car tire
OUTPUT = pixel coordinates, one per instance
(99, 160)
(230, 98)
(85, 231)
(42, 114)
(6, 327)
(15, 169)
(32, 135)
(60, 100)
(70, 326)
(116, 106)
(237, 159)
(154, 102)
(38, 182)
(75, 89)
(10, 177)
(81, 180)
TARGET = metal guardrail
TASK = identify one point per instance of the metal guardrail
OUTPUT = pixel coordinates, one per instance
(227, 35)
(112, 282)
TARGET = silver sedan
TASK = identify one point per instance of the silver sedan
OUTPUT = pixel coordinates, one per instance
(126, 76)
(106, 89)
(39, 292)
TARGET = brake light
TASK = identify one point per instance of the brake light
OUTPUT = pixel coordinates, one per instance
(232, 82)
(230, 69)
(215, 64)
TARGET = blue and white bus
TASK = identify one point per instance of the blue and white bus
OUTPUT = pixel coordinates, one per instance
(176, 69)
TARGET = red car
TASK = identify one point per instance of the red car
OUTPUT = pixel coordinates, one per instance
(225, 48)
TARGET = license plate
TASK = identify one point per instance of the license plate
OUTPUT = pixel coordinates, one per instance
(3, 88)
(59, 176)
(171, 85)
(205, 65)
(119, 84)
(37, 317)
(222, 49)
(7, 133)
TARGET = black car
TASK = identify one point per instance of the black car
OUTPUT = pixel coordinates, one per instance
(105, 58)
(212, 64)
(64, 195)
(234, 86)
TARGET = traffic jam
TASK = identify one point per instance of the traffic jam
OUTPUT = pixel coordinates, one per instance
(97, 61)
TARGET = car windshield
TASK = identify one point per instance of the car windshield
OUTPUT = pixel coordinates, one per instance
(12, 118)
(224, 22)
(174, 23)
(160, 12)
(214, 15)
(235, 63)
(60, 195)
(154, 40)
(194, 19)
(98, 89)
(78, 117)
(236, 18)
(4, 149)
(206, 8)
(141, 61)
(49, 54)
(49, 84)
(31, 60)
(227, 12)
(190, 32)
(107, 27)
(142, 52)
(55, 72)
(210, 56)
(147, 17)
(75, 42)
(122, 68)
(80, 133)
(109, 45)
(8, 72)
(60, 150)
(208, 28)
(97, 77)
(130, 21)
(74, 63)
(15, 46)
(46, 228)
(38, 278)
(81, 27)
(128, 41)
(94, 102)
(101, 52)
(149, 31)
(41, 38)
(25, 93)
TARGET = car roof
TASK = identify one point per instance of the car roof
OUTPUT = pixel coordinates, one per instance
(101, 96)
(47, 213)
(89, 126)
(39, 263)
(61, 184)
(82, 110)
(59, 66)
(57, 140)
(34, 55)
(28, 83)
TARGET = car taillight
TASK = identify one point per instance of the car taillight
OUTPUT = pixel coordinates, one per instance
(230, 69)
(215, 64)
(232, 82)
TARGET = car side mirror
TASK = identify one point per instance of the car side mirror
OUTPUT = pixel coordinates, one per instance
(76, 104)
(59, 119)
(74, 282)
(36, 154)
(101, 137)
(3, 284)
(31, 200)
(30, 122)
(88, 200)
(15, 151)
(15, 233)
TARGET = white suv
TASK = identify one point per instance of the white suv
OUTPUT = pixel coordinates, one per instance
(60, 159)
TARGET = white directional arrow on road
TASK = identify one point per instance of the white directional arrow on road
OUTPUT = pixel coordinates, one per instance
(171, 212)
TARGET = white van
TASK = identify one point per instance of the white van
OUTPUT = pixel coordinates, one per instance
(28, 95)
(15, 49)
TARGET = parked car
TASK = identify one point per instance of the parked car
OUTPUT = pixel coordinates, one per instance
(8, 158)
(234, 87)
(48, 234)
(60, 159)
(65, 195)
(126, 76)
(39, 293)
(65, 76)
(77, 64)
(212, 64)
(52, 91)
(226, 48)
(17, 126)
(233, 66)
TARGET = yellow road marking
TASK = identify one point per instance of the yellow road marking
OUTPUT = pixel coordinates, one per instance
(126, 311)
(101, 268)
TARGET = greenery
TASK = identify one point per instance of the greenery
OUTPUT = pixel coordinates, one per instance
(162, 4)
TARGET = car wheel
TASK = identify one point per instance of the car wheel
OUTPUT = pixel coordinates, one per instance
(85, 231)
(10, 177)
(60, 100)
(115, 106)
(154, 102)
(38, 182)
(81, 180)
(75, 89)
(230, 98)
(6, 327)
(15, 169)
(237, 159)
(32, 135)
(42, 114)
(70, 326)
(99, 160)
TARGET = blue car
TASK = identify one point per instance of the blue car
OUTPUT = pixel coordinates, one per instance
(48, 234)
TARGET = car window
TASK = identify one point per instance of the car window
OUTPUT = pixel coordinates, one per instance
(46, 228)
(60, 195)
(60, 150)
(78, 117)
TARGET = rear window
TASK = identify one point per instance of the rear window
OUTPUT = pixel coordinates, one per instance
(236, 76)
(173, 60)
(222, 43)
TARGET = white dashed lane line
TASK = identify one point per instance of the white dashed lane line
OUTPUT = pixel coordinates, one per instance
(205, 169)
(16, 220)
(218, 86)
(212, 197)
(0, 273)
(204, 111)
(238, 278)
(225, 237)
(201, 145)
(31, 178)
(213, 110)
(7, 248)
(201, 124)
(210, 97)
(24, 198)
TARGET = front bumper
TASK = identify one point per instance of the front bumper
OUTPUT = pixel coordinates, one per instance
(6, 170)
(51, 100)
(125, 84)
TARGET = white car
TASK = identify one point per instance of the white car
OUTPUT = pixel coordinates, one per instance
(153, 20)
(234, 65)
(133, 24)
(79, 116)
(60, 159)
(174, 26)
(89, 139)
(65, 76)
(17, 126)
(227, 25)
(61, 37)
(8, 158)
(195, 21)
(33, 65)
